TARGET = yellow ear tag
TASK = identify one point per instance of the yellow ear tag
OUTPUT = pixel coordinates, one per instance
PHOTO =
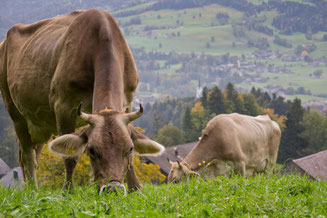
(106, 110)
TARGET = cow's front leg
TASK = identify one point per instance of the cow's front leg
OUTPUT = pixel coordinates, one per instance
(132, 181)
(66, 117)
(70, 164)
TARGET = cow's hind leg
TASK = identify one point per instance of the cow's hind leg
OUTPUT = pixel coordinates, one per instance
(27, 156)
(28, 164)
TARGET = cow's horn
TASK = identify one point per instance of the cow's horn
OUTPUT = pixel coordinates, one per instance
(134, 115)
(86, 117)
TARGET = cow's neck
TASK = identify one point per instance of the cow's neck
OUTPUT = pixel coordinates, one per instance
(195, 159)
(108, 93)
(107, 102)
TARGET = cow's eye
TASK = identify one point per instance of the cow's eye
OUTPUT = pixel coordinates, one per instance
(91, 152)
(130, 151)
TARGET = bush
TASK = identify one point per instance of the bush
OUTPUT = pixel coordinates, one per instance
(51, 172)
(148, 173)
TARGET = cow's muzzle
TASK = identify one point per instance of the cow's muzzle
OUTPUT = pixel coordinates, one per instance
(113, 187)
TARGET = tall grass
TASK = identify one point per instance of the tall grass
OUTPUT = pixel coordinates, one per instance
(272, 195)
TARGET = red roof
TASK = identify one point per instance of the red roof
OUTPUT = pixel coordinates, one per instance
(314, 165)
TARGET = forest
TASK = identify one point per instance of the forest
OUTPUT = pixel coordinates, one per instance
(177, 121)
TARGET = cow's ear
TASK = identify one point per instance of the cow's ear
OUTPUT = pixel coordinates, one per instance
(143, 146)
(68, 145)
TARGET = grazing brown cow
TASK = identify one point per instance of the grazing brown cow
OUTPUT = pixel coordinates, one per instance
(48, 68)
(231, 141)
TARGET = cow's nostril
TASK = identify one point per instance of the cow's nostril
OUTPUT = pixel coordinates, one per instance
(113, 187)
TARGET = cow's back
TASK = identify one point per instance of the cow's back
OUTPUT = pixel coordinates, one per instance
(33, 52)
(59, 55)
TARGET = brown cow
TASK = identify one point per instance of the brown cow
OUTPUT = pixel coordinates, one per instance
(48, 68)
(231, 141)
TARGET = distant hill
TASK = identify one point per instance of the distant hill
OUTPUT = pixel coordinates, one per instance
(276, 45)
(18, 11)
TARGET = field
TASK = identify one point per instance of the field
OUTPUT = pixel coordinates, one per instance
(191, 30)
(270, 195)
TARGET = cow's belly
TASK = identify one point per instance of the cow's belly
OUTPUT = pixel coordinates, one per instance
(41, 124)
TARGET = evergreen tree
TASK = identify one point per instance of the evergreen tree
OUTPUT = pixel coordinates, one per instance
(235, 103)
(279, 105)
(251, 106)
(292, 144)
(263, 98)
(204, 97)
(231, 92)
(216, 102)
(187, 125)
(157, 122)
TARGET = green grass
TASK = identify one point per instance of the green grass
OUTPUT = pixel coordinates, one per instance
(272, 196)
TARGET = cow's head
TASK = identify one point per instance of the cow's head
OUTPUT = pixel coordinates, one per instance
(110, 141)
(179, 171)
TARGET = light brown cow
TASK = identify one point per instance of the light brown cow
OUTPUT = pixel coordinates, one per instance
(48, 68)
(231, 141)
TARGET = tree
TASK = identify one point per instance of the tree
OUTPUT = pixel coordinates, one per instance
(170, 135)
(314, 132)
(187, 125)
(148, 172)
(157, 122)
(279, 105)
(251, 106)
(216, 101)
(292, 144)
(280, 119)
(200, 118)
(324, 38)
(236, 101)
(318, 73)
(51, 171)
(204, 97)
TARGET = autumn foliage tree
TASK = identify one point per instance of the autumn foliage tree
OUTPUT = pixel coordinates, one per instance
(51, 171)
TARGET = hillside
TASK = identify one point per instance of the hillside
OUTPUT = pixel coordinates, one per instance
(271, 196)
(276, 45)
(216, 44)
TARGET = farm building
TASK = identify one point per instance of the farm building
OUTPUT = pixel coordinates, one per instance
(13, 178)
(171, 153)
(314, 166)
(3, 168)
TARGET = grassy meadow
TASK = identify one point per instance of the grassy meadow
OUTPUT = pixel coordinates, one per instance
(190, 30)
(264, 195)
